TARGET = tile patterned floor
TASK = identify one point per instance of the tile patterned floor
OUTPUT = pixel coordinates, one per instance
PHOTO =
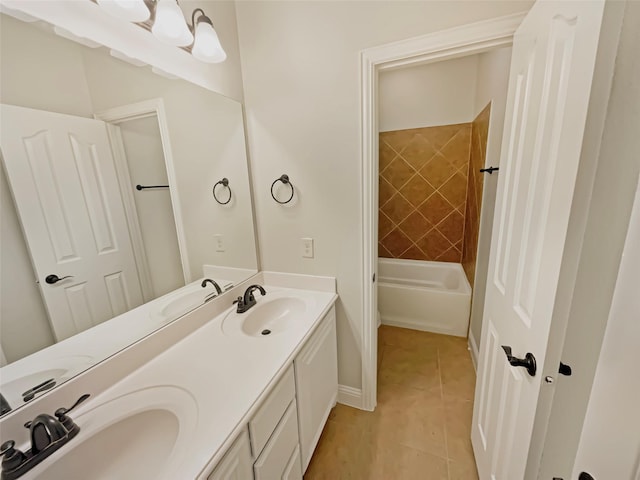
(422, 424)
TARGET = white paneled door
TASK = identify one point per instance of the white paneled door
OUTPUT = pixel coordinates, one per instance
(552, 68)
(64, 183)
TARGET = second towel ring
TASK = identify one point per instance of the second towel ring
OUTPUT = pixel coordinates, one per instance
(225, 183)
(284, 178)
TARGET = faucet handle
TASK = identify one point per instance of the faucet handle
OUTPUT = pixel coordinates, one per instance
(66, 421)
(12, 458)
(61, 413)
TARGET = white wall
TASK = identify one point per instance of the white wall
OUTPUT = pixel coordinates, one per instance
(206, 133)
(24, 324)
(146, 165)
(492, 85)
(26, 83)
(301, 81)
(610, 444)
(441, 93)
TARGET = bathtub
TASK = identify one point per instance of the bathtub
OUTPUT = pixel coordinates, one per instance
(430, 296)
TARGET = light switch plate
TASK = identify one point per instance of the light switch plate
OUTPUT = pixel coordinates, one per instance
(219, 242)
(306, 245)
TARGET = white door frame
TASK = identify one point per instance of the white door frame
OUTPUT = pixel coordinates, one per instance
(448, 44)
(133, 111)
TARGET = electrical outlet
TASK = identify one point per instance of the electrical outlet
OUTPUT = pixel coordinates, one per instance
(219, 242)
(306, 245)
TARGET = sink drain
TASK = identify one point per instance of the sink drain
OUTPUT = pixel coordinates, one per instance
(266, 331)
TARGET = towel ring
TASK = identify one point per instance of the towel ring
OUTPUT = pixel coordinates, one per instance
(225, 183)
(284, 178)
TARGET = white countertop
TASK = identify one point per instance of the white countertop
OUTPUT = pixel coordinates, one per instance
(226, 375)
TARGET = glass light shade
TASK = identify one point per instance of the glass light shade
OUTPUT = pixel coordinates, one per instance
(130, 10)
(170, 26)
(206, 46)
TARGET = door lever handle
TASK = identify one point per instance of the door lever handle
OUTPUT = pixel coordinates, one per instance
(565, 370)
(528, 362)
(53, 278)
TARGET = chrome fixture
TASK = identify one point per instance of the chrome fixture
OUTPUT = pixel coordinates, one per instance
(248, 301)
(48, 434)
(164, 18)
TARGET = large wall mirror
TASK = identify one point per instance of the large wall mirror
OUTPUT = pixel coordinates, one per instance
(109, 222)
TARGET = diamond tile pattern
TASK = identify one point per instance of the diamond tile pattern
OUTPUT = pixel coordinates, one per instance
(423, 192)
(477, 160)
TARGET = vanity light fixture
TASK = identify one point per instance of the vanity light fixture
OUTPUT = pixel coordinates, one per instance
(169, 25)
(130, 10)
(164, 18)
(206, 46)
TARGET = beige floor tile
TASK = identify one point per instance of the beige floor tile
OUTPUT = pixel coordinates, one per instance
(422, 424)
(458, 375)
(337, 454)
(410, 417)
(403, 337)
(355, 417)
(386, 461)
(416, 368)
(458, 417)
(462, 470)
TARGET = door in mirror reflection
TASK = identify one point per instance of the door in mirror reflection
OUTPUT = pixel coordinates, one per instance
(66, 191)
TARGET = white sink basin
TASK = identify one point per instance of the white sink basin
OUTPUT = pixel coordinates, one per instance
(181, 302)
(270, 316)
(141, 435)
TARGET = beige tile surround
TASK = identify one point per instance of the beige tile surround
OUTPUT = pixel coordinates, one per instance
(422, 192)
(430, 192)
(421, 427)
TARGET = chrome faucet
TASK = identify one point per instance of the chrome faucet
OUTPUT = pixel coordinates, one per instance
(48, 434)
(212, 282)
(249, 300)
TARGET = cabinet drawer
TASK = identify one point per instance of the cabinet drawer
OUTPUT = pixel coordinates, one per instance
(276, 457)
(293, 470)
(267, 417)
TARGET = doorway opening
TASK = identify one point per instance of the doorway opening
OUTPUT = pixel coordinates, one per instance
(419, 53)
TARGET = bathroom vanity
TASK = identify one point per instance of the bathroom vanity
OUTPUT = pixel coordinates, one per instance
(237, 395)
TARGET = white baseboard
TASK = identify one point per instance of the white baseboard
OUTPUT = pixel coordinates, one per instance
(473, 348)
(350, 396)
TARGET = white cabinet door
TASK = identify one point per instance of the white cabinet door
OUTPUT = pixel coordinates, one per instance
(236, 463)
(66, 191)
(552, 66)
(275, 461)
(316, 368)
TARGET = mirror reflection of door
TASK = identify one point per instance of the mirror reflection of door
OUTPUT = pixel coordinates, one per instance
(66, 192)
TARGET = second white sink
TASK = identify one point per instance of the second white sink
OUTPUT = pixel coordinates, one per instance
(269, 316)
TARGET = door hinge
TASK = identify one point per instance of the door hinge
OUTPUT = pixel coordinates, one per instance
(374, 278)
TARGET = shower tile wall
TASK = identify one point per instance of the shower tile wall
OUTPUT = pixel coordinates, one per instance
(479, 134)
(423, 191)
